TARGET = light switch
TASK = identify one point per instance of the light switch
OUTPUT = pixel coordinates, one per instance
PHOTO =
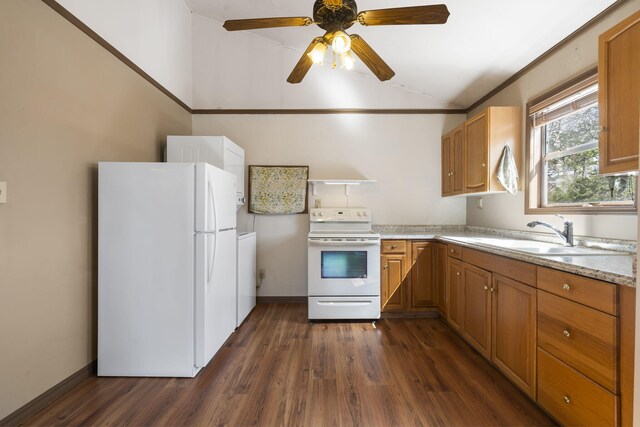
(3, 192)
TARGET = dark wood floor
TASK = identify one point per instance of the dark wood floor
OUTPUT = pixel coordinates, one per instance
(277, 369)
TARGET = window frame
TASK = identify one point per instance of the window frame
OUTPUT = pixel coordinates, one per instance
(534, 171)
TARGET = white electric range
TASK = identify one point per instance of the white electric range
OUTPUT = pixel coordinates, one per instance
(344, 265)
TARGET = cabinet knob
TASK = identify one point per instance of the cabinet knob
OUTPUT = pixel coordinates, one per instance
(602, 128)
(566, 399)
(394, 246)
(566, 333)
(566, 287)
(458, 273)
(484, 165)
(493, 290)
(486, 288)
(452, 251)
(385, 267)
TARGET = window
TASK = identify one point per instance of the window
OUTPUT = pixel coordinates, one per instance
(563, 154)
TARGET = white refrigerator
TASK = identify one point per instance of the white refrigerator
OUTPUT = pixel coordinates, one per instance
(166, 267)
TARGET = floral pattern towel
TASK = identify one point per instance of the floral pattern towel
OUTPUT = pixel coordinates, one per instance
(508, 171)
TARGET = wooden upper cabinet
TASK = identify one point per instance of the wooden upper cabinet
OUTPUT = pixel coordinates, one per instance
(475, 161)
(447, 165)
(619, 94)
(423, 290)
(453, 162)
(457, 145)
(485, 136)
(471, 152)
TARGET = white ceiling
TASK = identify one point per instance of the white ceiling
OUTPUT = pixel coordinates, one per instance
(482, 44)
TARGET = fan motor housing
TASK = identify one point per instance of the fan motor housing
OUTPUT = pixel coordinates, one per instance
(335, 19)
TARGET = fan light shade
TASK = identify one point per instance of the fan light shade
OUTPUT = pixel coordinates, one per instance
(317, 53)
(347, 61)
(341, 42)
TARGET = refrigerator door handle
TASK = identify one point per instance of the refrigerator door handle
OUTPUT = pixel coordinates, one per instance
(211, 260)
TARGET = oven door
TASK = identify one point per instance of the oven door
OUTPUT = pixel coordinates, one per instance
(341, 267)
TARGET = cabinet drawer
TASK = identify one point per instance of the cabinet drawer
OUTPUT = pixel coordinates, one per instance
(454, 251)
(394, 246)
(517, 270)
(571, 398)
(580, 336)
(594, 293)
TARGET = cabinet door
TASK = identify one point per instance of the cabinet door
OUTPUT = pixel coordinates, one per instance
(477, 308)
(447, 165)
(393, 276)
(475, 159)
(423, 292)
(441, 277)
(455, 288)
(514, 332)
(457, 145)
(618, 93)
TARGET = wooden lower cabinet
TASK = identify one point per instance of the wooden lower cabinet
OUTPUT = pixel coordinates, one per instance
(497, 316)
(477, 308)
(408, 277)
(455, 300)
(392, 278)
(441, 277)
(514, 327)
(422, 291)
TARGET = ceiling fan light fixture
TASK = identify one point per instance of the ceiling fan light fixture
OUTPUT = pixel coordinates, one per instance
(347, 60)
(317, 53)
(341, 42)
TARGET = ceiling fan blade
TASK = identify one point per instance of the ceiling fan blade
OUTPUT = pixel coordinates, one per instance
(253, 24)
(304, 64)
(370, 58)
(433, 14)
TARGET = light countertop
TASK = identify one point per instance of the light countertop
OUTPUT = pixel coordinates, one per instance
(617, 267)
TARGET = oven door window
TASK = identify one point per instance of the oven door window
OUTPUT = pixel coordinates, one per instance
(343, 264)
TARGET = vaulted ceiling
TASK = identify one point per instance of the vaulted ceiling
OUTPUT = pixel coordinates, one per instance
(482, 44)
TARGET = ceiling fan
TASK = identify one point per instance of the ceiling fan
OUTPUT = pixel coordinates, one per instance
(336, 16)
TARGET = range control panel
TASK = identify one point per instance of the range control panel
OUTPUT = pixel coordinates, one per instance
(340, 215)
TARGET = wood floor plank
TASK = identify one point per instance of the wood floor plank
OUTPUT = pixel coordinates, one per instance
(279, 369)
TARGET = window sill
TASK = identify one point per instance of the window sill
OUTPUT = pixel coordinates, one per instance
(581, 210)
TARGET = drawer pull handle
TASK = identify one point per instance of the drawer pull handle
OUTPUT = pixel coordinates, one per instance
(394, 246)
(566, 287)
(566, 333)
(566, 399)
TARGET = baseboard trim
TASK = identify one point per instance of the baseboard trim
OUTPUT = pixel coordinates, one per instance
(281, 300)
(411, 315)
(46, 398)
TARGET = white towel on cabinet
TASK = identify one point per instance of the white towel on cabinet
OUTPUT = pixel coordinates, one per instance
(508, 171)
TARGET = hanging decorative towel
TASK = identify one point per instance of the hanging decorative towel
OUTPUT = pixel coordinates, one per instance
(278, 190)
(508, 171)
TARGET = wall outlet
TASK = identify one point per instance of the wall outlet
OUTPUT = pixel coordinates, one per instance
(3, 192)
(480, 203)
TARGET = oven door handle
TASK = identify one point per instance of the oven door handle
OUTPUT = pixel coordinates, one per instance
(334, 243)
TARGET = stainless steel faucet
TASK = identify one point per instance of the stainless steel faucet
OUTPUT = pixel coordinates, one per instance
(566, 235)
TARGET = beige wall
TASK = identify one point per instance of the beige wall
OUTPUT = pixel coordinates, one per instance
(65, 104)
(401, 152)
(579, 55)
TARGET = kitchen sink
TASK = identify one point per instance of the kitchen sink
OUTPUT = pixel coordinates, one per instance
(534, 247)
